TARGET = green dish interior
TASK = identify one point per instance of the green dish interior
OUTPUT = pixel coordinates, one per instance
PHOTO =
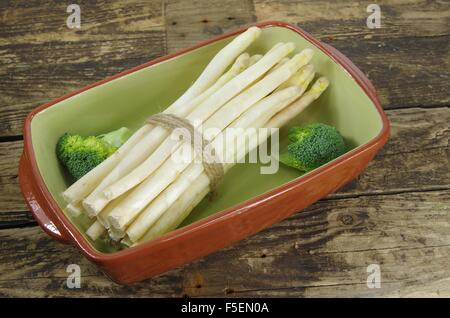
(128, 100)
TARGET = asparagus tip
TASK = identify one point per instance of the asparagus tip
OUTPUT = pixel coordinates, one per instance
(320, 86)
(255, 30)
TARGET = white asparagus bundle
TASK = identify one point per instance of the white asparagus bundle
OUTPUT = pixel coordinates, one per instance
(181, 208)
(218, 120)
(234, 70)
(138, 193)
(158, 206)
(99, 227)
(255, 117)
(85, 185)
(199, 115)
(97, 200)
(121, 216)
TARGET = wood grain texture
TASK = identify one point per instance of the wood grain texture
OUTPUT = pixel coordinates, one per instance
(418, 151)
(51, 60)
(416, 157)
(13, 210)
(322, 251)
(347, 19)
(42, 59)
(189, 24)
(406, 59)
(395, 214)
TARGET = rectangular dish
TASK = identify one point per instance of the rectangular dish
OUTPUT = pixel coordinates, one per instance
(247, 201)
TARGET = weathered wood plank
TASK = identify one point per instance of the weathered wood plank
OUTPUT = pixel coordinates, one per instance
(347, 19)
(43, 59)
(12, 203)
(13, 210)
(416, 157)
(52, 60)
(190, 22)
(407, 72)
(407, 58)
(418, 152)
(98, 19)
(395, 214)
(322, 251)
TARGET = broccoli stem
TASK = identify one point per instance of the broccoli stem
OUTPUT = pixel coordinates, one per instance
(117, 137)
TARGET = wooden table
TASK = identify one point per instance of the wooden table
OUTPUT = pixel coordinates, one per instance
(396, 214)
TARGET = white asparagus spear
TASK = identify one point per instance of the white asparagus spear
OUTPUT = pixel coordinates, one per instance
(255, 58)
(276, 46)
(218, 64)
(296, 107)
(242, 62)
(115, 235)
(102, 217)
(255, 118)
(97, 201)
(280, 63)
(178, 211)
(268, 84)
(300, 78)
(121, 216)
(85, 185)
(95, 230)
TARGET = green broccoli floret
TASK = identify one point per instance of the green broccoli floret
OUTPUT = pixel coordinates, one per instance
(312, 146)
(81, 154)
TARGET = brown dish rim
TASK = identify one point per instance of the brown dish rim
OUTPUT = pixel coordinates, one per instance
(68, 232)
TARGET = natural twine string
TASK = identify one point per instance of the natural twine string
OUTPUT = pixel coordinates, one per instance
(213, 168)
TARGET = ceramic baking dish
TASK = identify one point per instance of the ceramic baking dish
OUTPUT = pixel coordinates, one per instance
(247, 201)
